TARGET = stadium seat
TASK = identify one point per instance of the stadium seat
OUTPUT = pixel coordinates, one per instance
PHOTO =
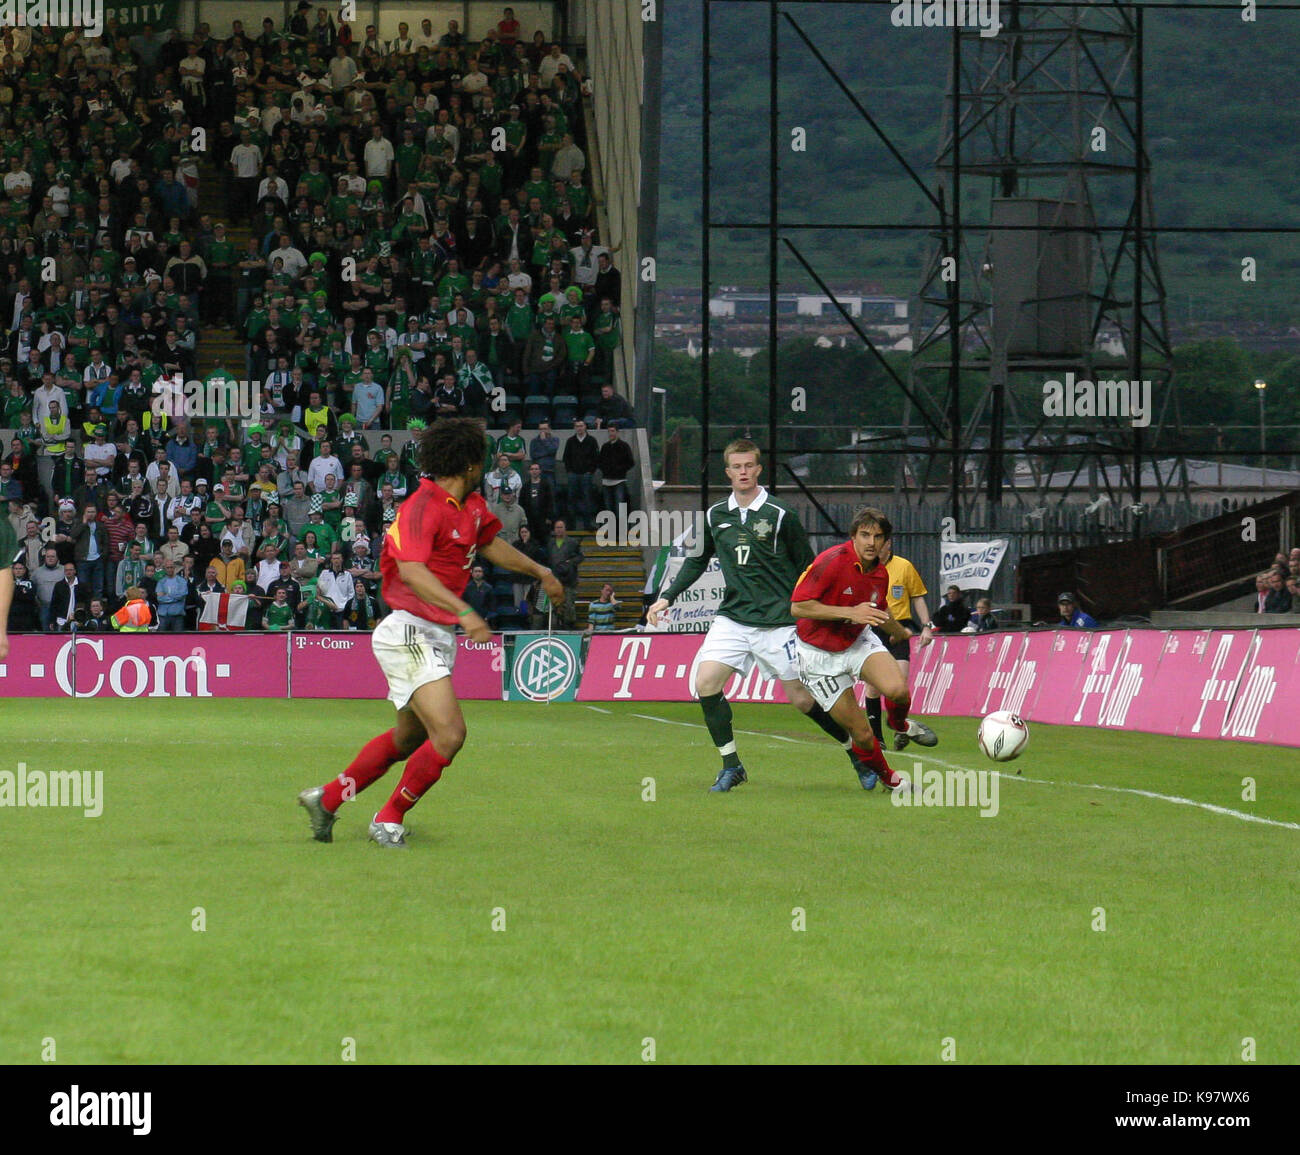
(514, 404)
(508, 616)
(564, 409)
(537, 408)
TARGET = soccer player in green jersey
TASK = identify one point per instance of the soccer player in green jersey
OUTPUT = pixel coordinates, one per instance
(762, 549)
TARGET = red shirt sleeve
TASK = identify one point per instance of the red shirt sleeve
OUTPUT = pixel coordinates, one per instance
(489, 527)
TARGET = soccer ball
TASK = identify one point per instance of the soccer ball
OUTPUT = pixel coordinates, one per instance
(1003, 736)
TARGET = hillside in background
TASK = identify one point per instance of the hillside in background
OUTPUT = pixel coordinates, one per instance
(1222, 128)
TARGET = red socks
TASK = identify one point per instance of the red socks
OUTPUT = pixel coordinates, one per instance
(897, 715)
(423, 769)
(875, 757)
(374, 761)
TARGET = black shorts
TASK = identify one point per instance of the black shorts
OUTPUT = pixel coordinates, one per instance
(900, 651)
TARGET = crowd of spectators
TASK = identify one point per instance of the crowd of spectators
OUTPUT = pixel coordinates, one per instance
(300, 535)
(1277, 591)
(423, 243)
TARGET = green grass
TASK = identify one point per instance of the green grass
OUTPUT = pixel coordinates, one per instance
(628, 919)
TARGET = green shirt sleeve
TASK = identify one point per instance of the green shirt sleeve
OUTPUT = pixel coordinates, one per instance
(693, 567)
(795, 539)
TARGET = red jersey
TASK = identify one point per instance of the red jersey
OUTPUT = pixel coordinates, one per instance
(433, 528)
(836, 578)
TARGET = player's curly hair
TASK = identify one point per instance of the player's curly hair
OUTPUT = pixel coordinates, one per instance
(451, 446)
(869, 516)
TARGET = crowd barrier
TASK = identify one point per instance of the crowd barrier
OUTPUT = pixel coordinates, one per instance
(1215, 683)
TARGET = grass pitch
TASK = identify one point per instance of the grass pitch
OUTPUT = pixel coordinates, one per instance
(928, 933)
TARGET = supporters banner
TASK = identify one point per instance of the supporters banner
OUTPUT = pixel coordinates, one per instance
(658, 668)
(341, 665)
(970, 565)
(131, 18)
(144, 666)
(544, 667)
(694, 611)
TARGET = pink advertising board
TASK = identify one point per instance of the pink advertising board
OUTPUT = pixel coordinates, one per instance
(1194, 683)
(341, 665)
(144, 666)
(658, 668)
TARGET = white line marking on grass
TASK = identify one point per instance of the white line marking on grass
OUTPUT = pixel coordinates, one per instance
(701, 726)
(1174, 798)
(599, 710)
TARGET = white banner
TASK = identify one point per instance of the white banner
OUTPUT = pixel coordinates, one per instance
(693, 612)
(970, 565)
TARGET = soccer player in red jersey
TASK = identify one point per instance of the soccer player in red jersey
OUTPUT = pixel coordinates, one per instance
(844, 591)
(440, 531)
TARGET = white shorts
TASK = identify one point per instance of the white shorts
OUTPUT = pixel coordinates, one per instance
(827, 675)
(412, 652)
(740, 647)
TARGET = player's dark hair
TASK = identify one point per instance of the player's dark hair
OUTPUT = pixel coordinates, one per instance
(742, 445)
(869, 516)
(451, 446)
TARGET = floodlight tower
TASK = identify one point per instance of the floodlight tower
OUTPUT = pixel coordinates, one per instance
(1045, 263)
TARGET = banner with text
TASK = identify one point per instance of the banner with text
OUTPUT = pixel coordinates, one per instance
(694, 610)
(970, 565)
(341, 665)
(144, 665)
(659, 668)
(1189, 683)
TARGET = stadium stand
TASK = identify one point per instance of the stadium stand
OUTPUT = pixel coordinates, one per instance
(221, 252)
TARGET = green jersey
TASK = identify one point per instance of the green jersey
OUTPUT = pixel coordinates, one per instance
(508, 445)
(278, 617)
(761, 551)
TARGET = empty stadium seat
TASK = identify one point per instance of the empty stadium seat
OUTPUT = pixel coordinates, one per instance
(564, 410)
(537, 408)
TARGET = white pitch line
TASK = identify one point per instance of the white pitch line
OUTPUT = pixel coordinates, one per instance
(599, 710)
(1174, 798)
(701, 726)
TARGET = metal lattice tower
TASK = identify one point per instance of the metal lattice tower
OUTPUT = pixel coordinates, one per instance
(1060, 274)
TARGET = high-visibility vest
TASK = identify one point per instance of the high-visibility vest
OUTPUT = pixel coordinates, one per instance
(149, 419)
(133, 618)
(56, 432)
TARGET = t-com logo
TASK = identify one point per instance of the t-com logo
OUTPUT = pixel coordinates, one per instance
(544, 669)
(1014, 683)
(1247, 691)
(1117, 686)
